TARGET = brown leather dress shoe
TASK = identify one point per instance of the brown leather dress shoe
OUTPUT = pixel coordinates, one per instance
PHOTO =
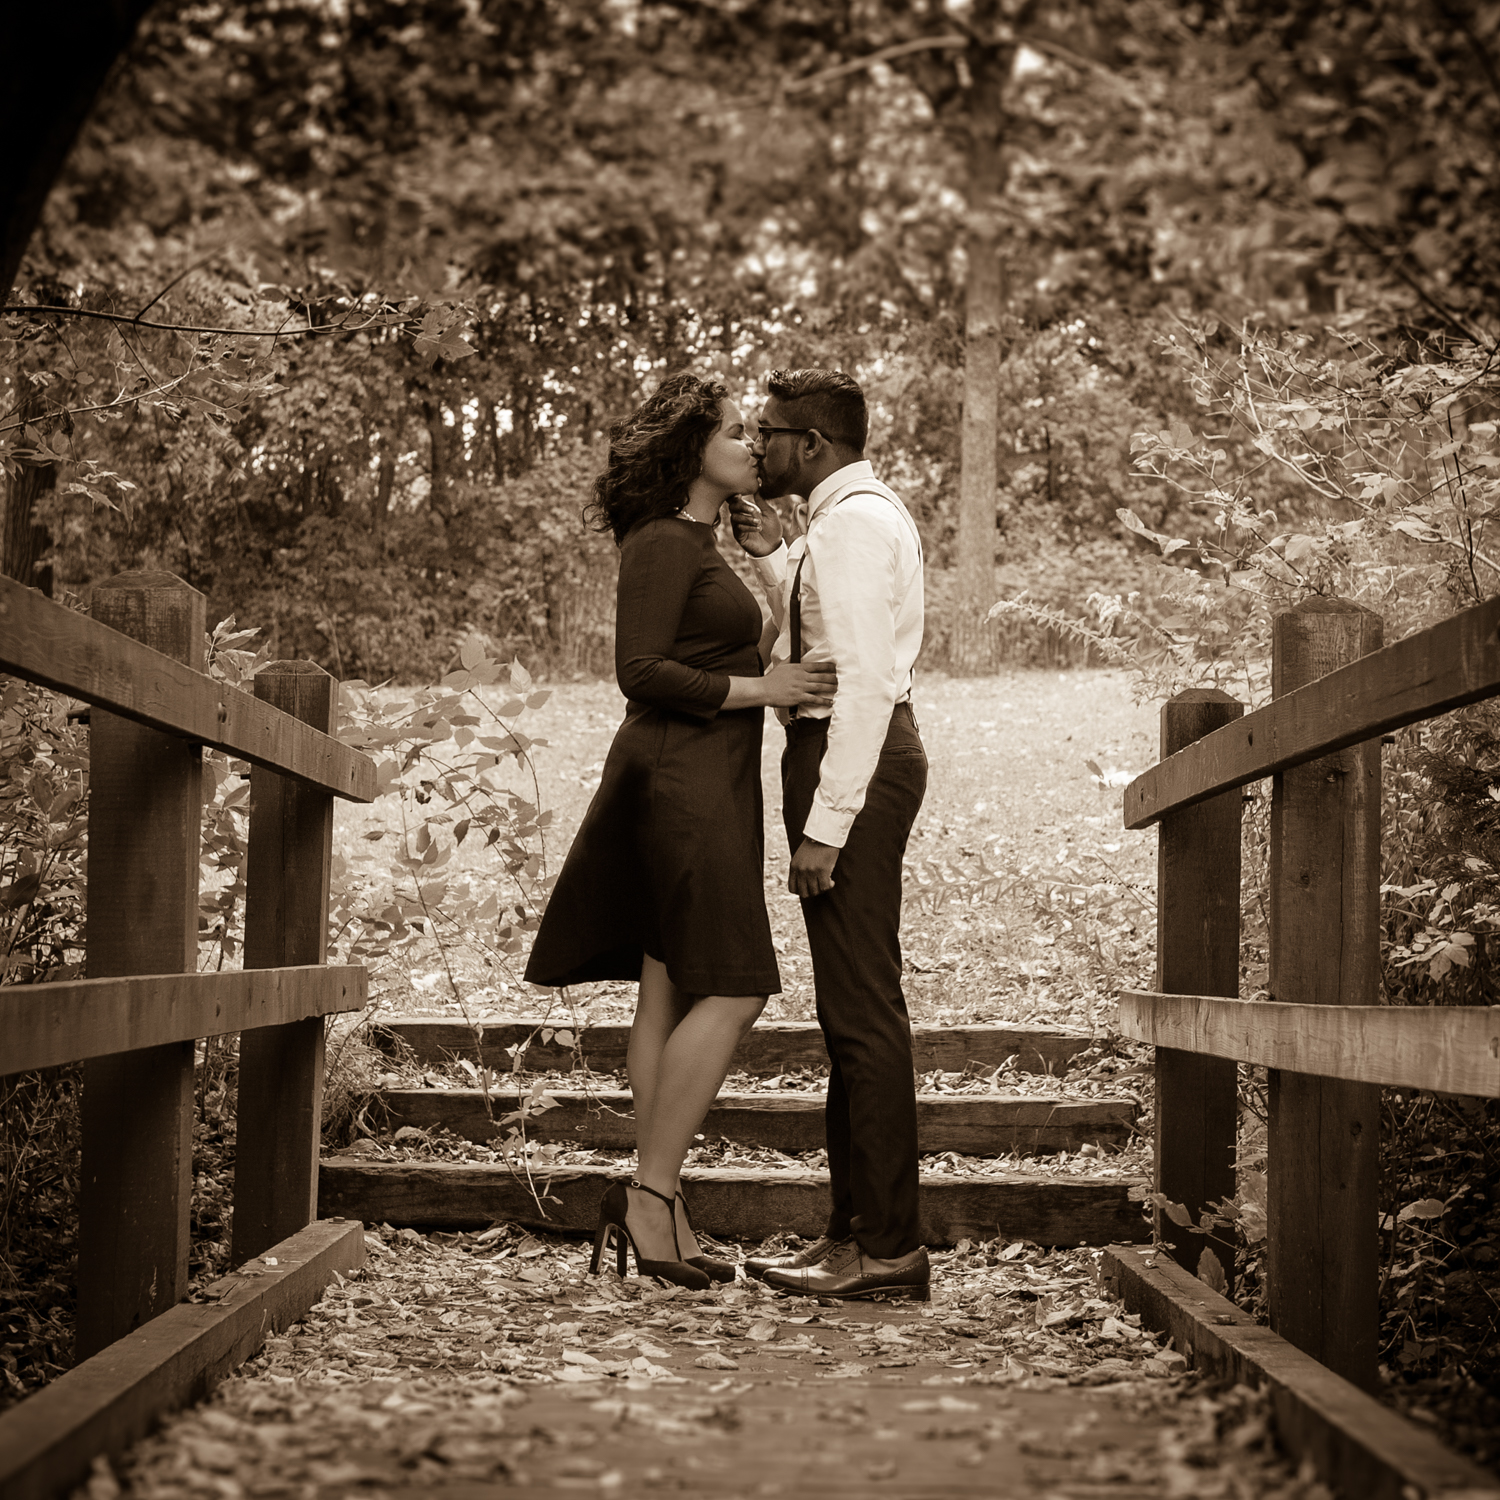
(848, 1273)
(793, 1260)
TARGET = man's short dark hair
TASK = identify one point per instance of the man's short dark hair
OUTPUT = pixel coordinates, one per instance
(827, 400)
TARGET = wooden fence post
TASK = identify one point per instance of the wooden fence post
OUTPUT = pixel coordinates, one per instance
(1324, 1137)
(145, 814)
(286, 923)
(1197, 953)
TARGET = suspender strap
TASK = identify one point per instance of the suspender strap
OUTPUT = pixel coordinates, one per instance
(797, 608)
(796, 605)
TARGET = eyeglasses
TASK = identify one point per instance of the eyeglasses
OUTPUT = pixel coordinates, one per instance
(764, 430)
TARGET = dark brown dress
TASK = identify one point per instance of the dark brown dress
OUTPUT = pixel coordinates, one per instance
(669, 858)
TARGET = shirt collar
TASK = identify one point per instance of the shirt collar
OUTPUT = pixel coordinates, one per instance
(838, 480)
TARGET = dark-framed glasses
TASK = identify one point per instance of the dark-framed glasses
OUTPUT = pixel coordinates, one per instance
(763, 429)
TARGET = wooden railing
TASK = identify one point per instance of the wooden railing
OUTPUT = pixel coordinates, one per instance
(134, 1022)
(1329, 1047)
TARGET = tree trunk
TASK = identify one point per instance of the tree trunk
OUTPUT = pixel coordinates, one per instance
(972, 650)
(380, 506)
(439, 453)
(26, 540)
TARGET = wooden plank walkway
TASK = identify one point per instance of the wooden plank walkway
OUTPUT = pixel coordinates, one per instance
(450, 1369)
(771, 1047)
(973, 1124)
(735, 1203)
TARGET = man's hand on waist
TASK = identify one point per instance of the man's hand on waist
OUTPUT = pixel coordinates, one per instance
(812, 868)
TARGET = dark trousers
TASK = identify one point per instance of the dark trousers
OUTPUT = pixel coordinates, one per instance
(854, 932)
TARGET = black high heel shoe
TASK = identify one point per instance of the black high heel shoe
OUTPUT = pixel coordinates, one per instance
(612, 1226)
(715, 1270)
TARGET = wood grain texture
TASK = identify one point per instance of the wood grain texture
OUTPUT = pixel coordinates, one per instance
(280, 1109)
(769, 1049)
(43, 642)
(731, 1203)
(976, 1125)
(1323, 1134)
(106, 1403)
(1444, 667)
(1358, 1445)
(47, 1025)
(1197, 951)
(145, 811)
(1448, 1049)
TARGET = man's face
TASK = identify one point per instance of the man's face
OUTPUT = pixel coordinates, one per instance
(778, 454)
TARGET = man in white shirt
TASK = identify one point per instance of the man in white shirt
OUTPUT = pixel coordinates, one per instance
(849, 591)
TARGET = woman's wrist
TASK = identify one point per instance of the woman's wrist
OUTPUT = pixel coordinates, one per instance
(747, 692)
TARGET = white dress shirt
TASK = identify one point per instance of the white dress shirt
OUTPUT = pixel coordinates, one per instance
(862, 610)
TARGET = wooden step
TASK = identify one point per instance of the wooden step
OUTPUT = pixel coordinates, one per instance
(770, 1048)
(973, 1124)
(733, 1204)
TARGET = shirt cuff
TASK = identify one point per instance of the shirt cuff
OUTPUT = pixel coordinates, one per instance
(772, 567)
(827, 826)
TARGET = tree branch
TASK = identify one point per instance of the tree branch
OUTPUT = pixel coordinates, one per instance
(1055, 50)
(883, 54)
(239, 333)
(1394, 266)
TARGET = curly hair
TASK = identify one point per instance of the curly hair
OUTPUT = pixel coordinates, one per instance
(828, 400)
(655, 454)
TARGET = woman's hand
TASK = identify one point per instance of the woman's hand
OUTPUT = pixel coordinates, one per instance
(804, 684)
(757, 526)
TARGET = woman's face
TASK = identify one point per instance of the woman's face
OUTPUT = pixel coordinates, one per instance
(728, 463)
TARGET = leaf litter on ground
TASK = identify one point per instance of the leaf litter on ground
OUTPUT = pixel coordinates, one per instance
(434, 1364)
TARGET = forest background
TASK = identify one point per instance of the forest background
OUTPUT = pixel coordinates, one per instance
(1171, 315)
(478, 231)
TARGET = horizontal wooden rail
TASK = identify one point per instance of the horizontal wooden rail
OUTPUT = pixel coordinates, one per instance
(45, 643)
(115, 1398)
(1449, 1049)
(46, 1025)
(1358, 1445)
(1428, 673)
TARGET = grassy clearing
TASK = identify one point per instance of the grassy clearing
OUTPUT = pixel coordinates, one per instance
(1026, 900)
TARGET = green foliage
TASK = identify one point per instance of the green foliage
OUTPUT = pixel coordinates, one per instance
(39, 1182)
(43, 807)
(441, 755)
(1440, 1238)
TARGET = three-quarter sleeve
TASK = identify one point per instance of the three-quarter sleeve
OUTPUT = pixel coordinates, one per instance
(659, 564)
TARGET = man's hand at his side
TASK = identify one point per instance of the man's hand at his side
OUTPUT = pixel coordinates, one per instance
(757, 527)
(812, 868)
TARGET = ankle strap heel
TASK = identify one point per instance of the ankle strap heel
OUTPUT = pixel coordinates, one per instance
(678, 1271)
(715, 1270)
(672, 1208)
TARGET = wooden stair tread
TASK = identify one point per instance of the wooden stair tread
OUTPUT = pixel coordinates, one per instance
(786, 1120)
(731, 1202)
(769, 1048)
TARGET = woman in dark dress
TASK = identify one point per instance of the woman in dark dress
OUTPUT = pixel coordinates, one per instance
(664, 882)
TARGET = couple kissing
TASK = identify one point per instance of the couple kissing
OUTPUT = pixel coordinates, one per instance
(664, 882)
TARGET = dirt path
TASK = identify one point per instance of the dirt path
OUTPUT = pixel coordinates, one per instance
(469, 1366)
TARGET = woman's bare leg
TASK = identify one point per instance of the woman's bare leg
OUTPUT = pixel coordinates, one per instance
(678, 1055)
(659, 1010)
